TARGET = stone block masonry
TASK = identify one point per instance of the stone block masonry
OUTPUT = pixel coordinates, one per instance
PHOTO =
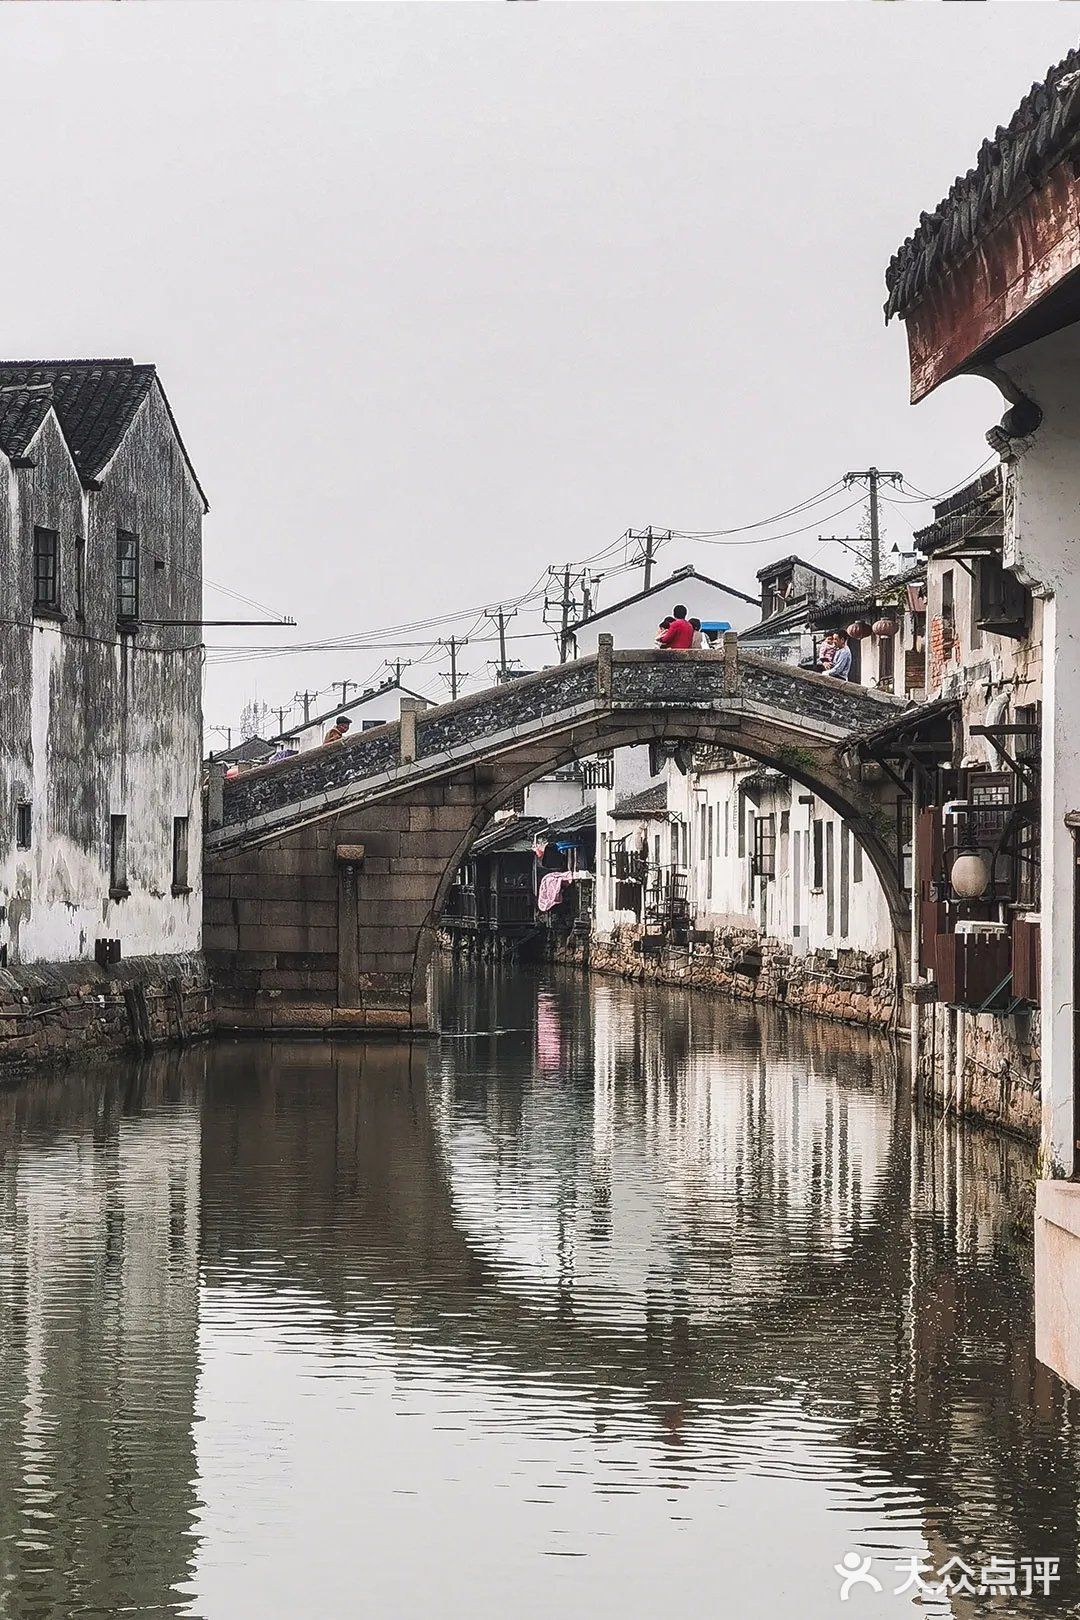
(849, 986)
(57, 1012)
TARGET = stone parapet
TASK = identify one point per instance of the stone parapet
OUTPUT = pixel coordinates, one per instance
(849, 986)
(57, 1011)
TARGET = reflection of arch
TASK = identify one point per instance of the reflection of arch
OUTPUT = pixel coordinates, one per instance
(865, 1341)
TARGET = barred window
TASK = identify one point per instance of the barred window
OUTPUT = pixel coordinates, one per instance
(46, 568)
(127, 576)
(764, 857)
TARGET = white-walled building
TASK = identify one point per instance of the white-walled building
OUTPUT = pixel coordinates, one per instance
(377, 706)
(100, 704)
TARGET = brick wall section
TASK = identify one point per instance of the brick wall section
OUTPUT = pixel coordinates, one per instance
(851, 987)
(60, 1011)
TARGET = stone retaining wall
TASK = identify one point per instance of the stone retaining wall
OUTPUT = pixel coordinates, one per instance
(853, 987)
(1000, 1080)
(62, 1010)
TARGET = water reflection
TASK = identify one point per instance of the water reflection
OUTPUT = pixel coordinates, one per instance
(616, 1298)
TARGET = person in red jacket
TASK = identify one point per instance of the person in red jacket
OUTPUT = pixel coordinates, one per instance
(679, 635)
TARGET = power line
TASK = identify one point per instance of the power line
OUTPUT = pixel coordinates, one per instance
(451, 675)
(872, 477)
(762, 523)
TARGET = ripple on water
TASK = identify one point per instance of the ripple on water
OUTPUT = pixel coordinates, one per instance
(612, 1298)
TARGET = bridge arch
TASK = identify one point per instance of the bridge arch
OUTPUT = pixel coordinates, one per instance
(861, 811)
(326, 876)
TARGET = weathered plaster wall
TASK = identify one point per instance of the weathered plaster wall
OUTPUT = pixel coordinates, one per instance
(1043, 545)
(99, 723)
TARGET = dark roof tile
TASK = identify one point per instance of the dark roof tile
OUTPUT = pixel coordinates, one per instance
(95, 402)
(1044, 129)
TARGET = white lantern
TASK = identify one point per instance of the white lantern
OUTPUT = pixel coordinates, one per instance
(970, 875)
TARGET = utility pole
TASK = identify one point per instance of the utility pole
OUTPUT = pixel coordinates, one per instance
(281, 713)
(558, 607)
(650, 540)
(397, 666)
(306, 698)
(226, 732)
(502, 619)
(872, 478)
(344, 688)
(454, 643)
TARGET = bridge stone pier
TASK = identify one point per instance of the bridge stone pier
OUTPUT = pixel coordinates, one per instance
(325, 875)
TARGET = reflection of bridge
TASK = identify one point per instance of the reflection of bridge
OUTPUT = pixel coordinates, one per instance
(407, 1204)
(370, 1195)
(326, 875)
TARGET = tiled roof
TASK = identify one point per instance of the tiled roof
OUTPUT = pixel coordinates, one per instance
(651, 801)
(22, 411)
(95, 402)
(972, 512)
(1044, 129)
(863, 602)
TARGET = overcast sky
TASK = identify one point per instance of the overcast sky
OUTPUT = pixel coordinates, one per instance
(444, 293)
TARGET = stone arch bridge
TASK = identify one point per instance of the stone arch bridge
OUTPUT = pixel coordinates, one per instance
(325, 875)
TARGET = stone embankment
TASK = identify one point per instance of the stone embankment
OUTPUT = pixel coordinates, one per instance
(849, 986)
(999, 1079)
(57, 1011)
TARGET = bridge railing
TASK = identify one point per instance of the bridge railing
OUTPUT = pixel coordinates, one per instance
(633, 679)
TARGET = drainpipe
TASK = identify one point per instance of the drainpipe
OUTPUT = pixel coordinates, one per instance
(961, 1030)
(946, 1060)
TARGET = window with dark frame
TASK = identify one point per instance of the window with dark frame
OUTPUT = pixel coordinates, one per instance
(180, 883)
(763, 860)
(24, 825)
(46, 569)
(127, 577)
(118, 884)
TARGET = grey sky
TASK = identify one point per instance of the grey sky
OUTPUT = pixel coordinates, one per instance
(444, 293)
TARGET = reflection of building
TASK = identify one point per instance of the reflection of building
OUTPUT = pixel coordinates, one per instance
(99, 1300)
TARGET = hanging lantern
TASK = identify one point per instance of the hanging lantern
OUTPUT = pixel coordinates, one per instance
(859, 631)
(970, 874)
(885, 627)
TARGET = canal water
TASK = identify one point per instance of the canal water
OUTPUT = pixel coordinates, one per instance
(613, 1301)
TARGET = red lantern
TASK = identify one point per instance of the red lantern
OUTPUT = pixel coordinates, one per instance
(885, 627)
(859, 631)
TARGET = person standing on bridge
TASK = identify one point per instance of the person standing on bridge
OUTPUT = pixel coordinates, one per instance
(840, 663)
(337, 731)
(679, 635)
